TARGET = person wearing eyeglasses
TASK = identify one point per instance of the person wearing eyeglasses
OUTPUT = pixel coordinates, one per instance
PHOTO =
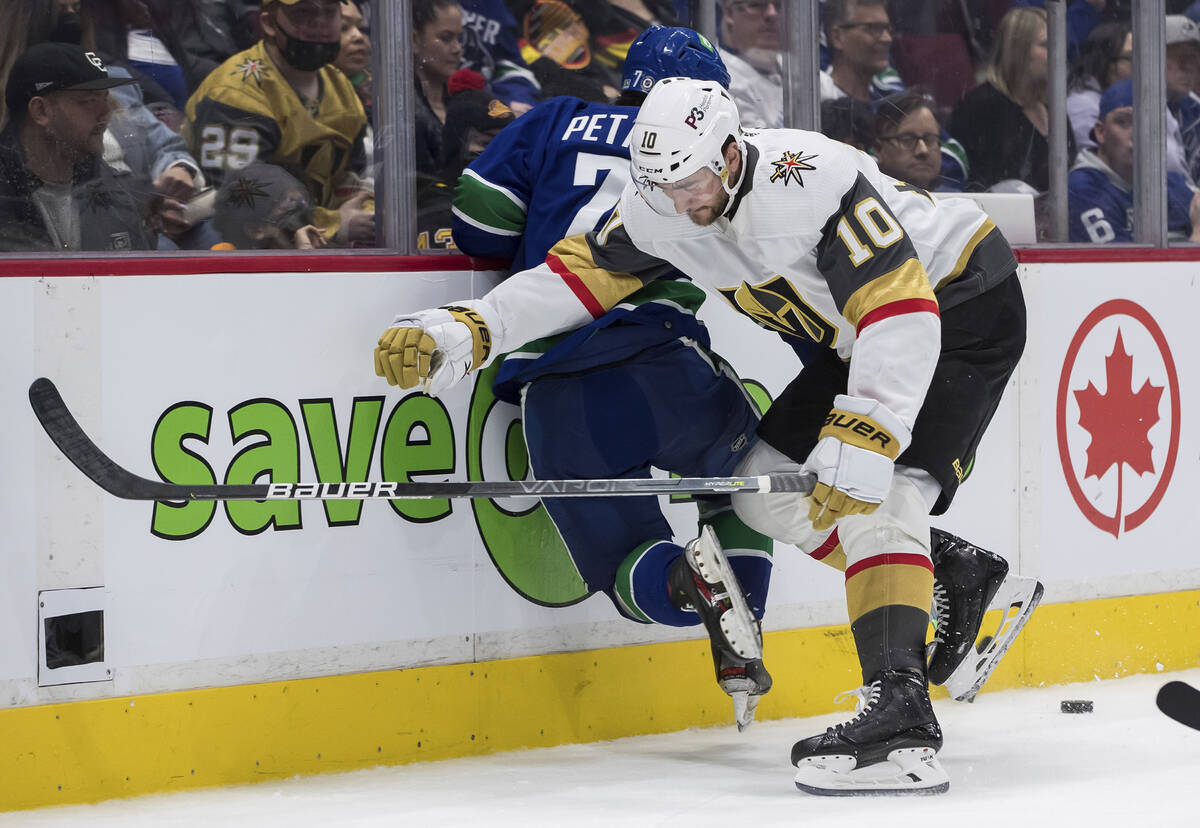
(859, 35)
(750, 41)
(908, 140)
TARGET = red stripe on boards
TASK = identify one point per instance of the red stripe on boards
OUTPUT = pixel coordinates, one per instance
(585, 296)
(897, 309)
(889, 560)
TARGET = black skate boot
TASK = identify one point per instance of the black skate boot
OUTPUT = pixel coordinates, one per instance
(969, 580)
(889, 747)
(702, 580)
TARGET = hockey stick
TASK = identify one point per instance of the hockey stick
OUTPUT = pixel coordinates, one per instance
(71, 440)
(1181, 702)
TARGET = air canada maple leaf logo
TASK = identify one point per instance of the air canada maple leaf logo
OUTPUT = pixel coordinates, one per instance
(1121, 429)
(1119, 420)
(789, 167)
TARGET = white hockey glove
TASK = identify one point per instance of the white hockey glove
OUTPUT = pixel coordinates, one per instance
(433, 349)
(854, 459)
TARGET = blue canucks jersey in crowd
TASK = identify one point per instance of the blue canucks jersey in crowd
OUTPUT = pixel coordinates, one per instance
(574, 156)
(1101, 203)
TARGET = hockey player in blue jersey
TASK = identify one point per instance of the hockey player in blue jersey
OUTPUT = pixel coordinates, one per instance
(1099, 188)
(611, 399)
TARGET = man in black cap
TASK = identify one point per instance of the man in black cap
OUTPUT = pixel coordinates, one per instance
(56, 192)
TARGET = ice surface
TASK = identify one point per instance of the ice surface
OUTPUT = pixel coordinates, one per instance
(1012, 757)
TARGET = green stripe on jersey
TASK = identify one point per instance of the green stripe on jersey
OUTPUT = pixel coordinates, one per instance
(676, 291)
(488, 206)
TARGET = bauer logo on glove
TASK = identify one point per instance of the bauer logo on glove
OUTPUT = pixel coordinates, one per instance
(854, 459)
(839, 422)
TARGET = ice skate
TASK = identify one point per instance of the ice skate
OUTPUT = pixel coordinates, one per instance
(702, 580)
(968, 582)
(889, 747)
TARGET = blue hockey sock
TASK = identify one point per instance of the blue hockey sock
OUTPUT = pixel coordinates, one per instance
(641, 586)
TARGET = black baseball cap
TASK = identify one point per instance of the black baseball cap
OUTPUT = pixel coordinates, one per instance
(55, 67)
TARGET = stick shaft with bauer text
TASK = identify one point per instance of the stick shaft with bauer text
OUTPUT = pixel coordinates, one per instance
(61, 426)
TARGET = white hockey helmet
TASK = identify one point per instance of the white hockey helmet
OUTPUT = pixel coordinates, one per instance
(681, 128)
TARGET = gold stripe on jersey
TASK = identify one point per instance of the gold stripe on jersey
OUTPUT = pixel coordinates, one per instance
(888, 585)
(908, 281)
(597, 288)
(968, 250)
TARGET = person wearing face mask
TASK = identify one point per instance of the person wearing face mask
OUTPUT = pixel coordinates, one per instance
(283, 102)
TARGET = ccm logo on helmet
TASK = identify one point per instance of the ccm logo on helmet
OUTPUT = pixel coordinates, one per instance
(697, 114)
(861, 427)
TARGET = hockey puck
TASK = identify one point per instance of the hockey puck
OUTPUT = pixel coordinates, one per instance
(1075, 706)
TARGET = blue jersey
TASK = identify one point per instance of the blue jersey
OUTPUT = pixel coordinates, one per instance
(556, 172)
(1100, 203)
(552, 173)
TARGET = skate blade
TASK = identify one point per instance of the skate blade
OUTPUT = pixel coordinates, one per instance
(906, 771)
(737, 622)
(744, 705)
(1016, 600)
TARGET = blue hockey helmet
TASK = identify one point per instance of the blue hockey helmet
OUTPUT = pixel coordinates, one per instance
(671, 52)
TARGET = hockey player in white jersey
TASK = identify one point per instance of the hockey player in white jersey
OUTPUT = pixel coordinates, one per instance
(921, 311)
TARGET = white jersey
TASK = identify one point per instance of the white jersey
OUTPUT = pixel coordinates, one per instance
(818, 245)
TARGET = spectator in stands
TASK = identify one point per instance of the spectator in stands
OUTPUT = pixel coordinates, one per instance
(908, 141)
(490, 34)
(354, 57)
(138, 143)
(1100, 192)
(56, 191)
(556, 44)
(859, 34)
(1183, 104)
(263, 207)
(849, 121)
(750, 40)
(282, 102)
(437, 29)
(1105, 58)
(1003, 122)
(474, 117)
(1083, 16)
(616, 24)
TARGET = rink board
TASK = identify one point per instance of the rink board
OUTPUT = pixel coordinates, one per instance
(316, 640)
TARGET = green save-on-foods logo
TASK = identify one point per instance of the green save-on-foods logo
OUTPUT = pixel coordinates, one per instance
(413, 439)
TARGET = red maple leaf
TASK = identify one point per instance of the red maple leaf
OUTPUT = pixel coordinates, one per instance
(1119, 420)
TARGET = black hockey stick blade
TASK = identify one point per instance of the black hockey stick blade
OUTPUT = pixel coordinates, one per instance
(76, 446)
(1181, 702)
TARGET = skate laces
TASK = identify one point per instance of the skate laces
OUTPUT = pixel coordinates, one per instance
(867, 696)
(941, 608)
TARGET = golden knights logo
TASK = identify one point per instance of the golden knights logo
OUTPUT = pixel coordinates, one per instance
(252, 69)
(789, 167)
(776, 305)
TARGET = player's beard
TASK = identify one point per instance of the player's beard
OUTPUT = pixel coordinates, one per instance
(704, 216)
